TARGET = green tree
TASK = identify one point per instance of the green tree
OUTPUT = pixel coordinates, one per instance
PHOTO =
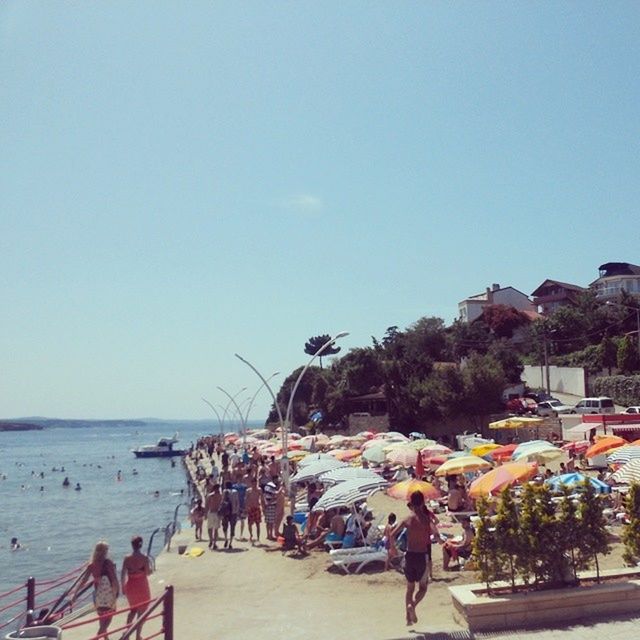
(508, 534)
(484, 382)
(631, 531)
(628, 360)
(569, 531)
(485, 545)
(608, 353)
(315, 343)
(593, 532)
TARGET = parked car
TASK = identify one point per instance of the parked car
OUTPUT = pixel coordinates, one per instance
(539, 396)
(520, 406)
(634, 410)
(595, 405)
(553, 408)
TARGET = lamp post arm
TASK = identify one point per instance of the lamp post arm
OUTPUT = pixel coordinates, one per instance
(232, 399)
(266, 384)
(220, 421)
(255, 395)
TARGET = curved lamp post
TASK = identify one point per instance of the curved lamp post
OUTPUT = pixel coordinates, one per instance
(232, 401)
(246, 417)
(220, 420)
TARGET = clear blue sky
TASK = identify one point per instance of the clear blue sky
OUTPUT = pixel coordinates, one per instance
(181, 181)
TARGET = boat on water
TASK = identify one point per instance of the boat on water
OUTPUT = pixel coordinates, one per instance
(163, 449)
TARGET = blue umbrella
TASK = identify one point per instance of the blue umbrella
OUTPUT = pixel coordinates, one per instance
(572, 480)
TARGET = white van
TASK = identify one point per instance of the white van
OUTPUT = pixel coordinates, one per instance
(595, 405)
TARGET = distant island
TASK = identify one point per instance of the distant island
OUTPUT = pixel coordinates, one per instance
(20, 426)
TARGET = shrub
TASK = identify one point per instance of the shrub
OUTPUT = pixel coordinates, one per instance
(631, 531)
(622, 389)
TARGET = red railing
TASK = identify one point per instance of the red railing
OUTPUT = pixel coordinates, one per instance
(26, 610)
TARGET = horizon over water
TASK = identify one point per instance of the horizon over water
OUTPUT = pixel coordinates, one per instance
(58, 527)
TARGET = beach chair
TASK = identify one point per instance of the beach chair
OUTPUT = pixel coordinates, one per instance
(355, 559)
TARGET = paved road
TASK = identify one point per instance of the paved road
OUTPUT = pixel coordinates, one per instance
(619, 629)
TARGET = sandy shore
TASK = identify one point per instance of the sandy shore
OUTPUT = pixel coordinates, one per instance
(257, 592)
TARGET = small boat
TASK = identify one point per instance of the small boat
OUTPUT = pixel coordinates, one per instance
(164, 449)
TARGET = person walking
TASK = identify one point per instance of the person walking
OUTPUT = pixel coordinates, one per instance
(136, 568)
(212, 505)
(418, 526)
(252, 504)
(102, 571)
(228, 511)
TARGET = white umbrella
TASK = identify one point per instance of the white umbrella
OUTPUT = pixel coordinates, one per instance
(343, 474)
(628, 474)
(624, 454)
(312, 471)
(376, 455)
(314, 457)
(347, 493)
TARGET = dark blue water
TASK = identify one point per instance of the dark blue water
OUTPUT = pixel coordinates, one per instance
(58, 527)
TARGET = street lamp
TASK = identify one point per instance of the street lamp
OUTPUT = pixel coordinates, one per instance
(246, 418)
(637, 310)
(288, 414)
(232, 400)
(220, 420)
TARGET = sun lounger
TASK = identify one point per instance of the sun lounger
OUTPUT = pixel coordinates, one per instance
(358, 558)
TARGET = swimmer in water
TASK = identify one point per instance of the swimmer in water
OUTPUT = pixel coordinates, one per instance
(119, 475)
(78, 487)
(41, 488)
(156, 494)
(15, 545)
(65, 482)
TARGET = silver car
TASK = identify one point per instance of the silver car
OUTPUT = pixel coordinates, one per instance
(634, 410)
(553, 408)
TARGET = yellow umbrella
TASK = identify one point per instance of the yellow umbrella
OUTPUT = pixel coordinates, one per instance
(515, 423)
(456, 466)
(483, 449)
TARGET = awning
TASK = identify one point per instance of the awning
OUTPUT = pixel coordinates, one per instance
(624, 427)
(583, 428)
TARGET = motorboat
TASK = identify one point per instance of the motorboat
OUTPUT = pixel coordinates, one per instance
(163, 449)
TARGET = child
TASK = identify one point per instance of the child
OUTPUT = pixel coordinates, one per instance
(291, 537)
(390, 541)
(197, 518)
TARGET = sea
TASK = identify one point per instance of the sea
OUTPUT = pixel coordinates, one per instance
(57, 527)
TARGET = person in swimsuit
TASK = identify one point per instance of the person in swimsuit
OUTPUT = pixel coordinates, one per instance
(135, 584)
(105, 582)
(213, 519)
(252, 504)
(418, 526)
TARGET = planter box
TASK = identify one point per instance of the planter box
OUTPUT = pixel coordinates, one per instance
(481, 612)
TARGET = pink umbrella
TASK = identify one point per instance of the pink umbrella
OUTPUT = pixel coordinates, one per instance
(435, 450)
(406, 457)
(576, 447)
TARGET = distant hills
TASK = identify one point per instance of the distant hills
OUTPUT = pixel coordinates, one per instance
(39, 422)
(19, 426)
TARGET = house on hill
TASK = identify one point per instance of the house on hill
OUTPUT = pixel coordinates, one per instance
(553, 294)
(472, 307)
(616, 277)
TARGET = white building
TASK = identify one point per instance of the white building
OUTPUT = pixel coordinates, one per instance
(472, 307)
(616, 277)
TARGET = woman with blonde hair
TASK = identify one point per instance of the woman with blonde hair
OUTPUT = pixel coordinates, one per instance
(105, 585)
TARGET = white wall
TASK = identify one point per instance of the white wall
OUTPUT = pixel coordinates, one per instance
(513, 298)
(562, 379)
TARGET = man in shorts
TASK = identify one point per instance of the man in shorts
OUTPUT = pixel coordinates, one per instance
(418, 526)
(213, 519)
(252, 504)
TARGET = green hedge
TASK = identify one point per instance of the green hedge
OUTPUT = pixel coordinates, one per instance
(623, 390)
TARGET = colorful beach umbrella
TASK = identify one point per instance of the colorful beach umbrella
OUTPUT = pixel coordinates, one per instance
(539, 451)
(347, 493)
(314, 457)
(576, 447)
(312, 471)
(624, 454)
(406, 457)
(503, 453)
(604, 444)
(515, 423)
(497, 479)
(435, 450)
(403, 490)
(628, 474)
(484, 449)
(347, 473)
(347, 454)
(574, 480)
(376, 455)
(464, 464)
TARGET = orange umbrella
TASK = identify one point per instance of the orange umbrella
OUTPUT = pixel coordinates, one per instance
(346, 454)
(503, 453)
(404, 489)
(604, 444)
(497, 479)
